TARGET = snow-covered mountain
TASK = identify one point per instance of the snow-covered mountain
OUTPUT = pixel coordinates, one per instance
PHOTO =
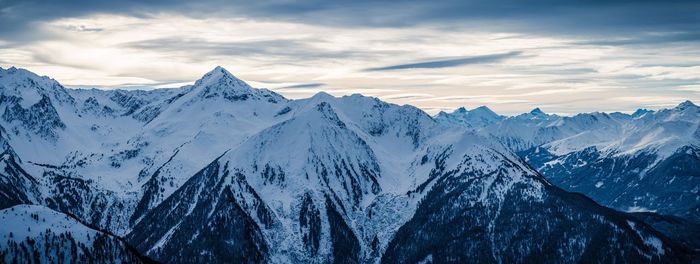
(646, 161)
(223, 172)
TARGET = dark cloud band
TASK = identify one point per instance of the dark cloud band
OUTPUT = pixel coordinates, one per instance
(445, 63)
(572, 17)
(305, 85)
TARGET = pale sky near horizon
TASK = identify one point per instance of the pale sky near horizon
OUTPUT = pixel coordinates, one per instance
(562, 56)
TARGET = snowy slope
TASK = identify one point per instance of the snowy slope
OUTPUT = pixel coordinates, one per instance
(36, 234)
(16, 185)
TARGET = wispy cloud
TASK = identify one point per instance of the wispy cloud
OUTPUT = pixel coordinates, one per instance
(299, 49)
(83, 28)
(645, 39)
(452, 62)
(305, 85)
(407, 96)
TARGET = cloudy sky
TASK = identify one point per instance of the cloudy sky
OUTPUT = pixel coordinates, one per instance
(565, 56)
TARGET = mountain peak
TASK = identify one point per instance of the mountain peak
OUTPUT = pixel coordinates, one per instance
(685, 105)
(220, 83)
(536, 114)
(11, 69)
(30, 87)
(484, 109)
(221, 77)
(477, 117)
(14, 72)
(537, 111)
(641, 112)
(321, 96)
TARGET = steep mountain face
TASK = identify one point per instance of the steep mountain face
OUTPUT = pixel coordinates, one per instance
(16, 185)
(646, 161)
(221, 172)
(295, 185)
(36, 234)
(633, 182)
(679, 229)
(499, 210)
(28, 103)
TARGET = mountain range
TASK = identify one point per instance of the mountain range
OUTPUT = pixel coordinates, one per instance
(220, 172)
(641, 162)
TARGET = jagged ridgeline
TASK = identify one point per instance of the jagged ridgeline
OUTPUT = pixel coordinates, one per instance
(220, 172)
